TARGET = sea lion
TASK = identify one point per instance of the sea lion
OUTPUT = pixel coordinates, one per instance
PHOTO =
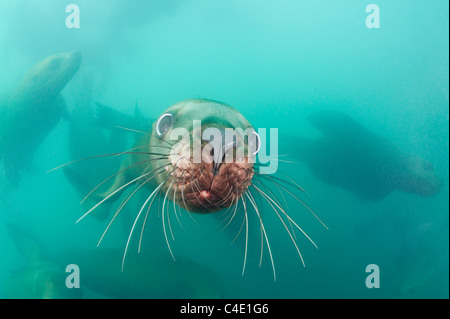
(33, 110)
(350, 156)
(147, 274)
(41, 277)
(188, 157)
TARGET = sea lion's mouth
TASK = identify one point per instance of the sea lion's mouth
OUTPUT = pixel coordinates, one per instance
(202, 188)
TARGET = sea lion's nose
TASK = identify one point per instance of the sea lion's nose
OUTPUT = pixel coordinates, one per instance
(219, 148)
(219, 155)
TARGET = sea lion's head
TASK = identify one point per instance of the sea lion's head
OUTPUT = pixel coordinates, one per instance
(204, 151)
(49, 76)
(422, 178)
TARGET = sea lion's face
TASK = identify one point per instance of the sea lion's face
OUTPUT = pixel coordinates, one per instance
(210, 150)
(53, 73)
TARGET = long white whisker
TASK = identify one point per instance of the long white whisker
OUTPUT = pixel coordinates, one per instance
(168, 213)
(148, 210)
(278, 188)
(246, 236)
(112, 194)
(128, 152)
(260, 230)
(234, 213)
(186, 208)
(265, 236)
(240, 229)
(291, 182)
(228, 213)
(164, 227)
(84, 159)
(274, 197)
(135, 221)
(289, 233)
(175, 209)
(270, 192)
(119, 172)
(304, 204)
(125, 201)
(145, 221)
(288, 217)
(132, 130)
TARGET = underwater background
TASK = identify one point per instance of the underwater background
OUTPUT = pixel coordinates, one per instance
(276, 62)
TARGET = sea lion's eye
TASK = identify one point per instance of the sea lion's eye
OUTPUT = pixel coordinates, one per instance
(164, 124)
(254, 143)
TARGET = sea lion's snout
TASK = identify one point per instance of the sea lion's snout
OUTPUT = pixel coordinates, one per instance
(210, 187)
(221, 178)
(218, 150)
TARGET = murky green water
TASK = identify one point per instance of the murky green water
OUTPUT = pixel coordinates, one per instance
(276, 62)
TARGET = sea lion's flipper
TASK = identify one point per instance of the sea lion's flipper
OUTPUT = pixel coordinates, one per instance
(25, 244)
(109, 118)
(105, 116)
(83, 188)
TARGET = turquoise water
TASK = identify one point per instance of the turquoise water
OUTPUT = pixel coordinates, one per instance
(276, 62)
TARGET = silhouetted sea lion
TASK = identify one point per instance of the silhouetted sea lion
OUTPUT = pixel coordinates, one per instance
(33, 110)
(41, 277)
(350, 156)
(147, 275)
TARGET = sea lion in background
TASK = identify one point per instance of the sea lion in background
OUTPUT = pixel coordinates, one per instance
(33, 110)
(111, 119)
(147, 274)
(350, 156)
(41, 278)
